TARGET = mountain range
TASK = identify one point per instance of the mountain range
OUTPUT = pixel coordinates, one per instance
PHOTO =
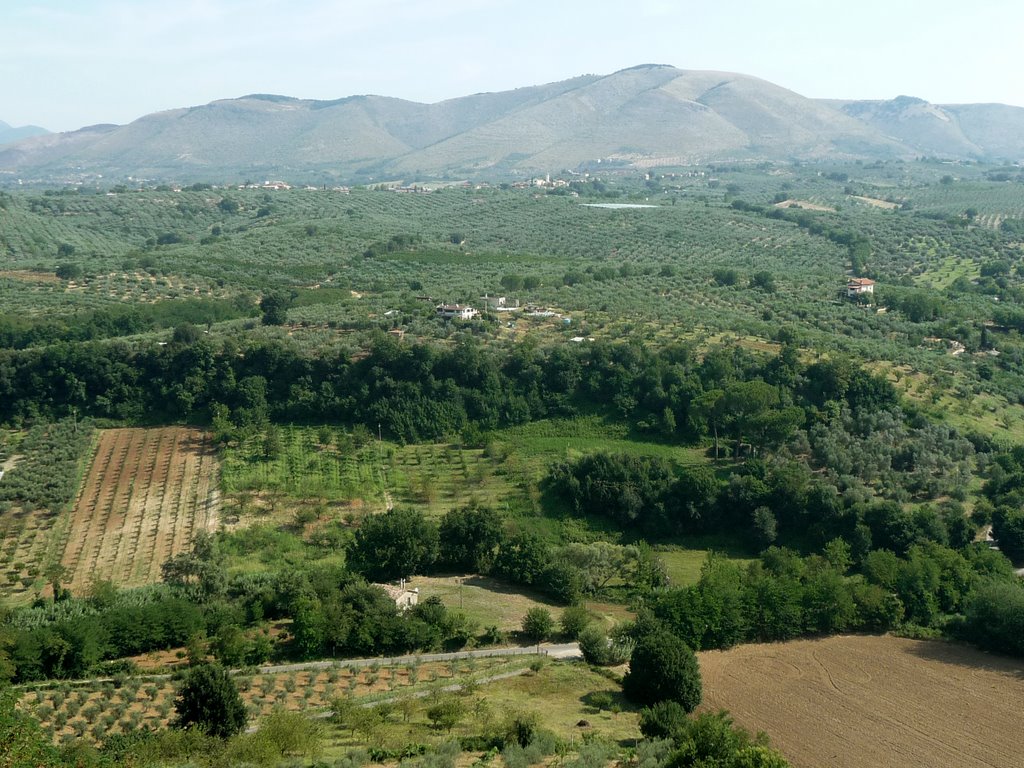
(645, 116)
(9, 134)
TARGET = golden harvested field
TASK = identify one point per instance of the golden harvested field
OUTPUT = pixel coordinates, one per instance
(146, 493)
(855, 702)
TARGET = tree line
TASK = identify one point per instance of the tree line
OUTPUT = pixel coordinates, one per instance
(21, 332)
(427, 392)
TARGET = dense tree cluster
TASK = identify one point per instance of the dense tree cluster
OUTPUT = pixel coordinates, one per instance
(425, 392)
(403, 542)
(1004, 492)
(781, 500)
(783, 595)
(73, 646)
(18, 331)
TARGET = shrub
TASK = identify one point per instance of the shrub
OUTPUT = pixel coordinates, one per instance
(574, 619)
(292, 733)
(446, 712)
(663, 668)
(538, 624)
(209, 699)
(662, 720)
(601, 650)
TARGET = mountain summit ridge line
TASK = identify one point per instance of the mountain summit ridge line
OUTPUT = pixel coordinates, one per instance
(645, 116)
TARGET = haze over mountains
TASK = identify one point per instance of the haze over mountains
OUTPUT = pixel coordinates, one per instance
(646, 116)
(9, 134)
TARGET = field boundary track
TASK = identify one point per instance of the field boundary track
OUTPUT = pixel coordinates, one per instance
(860, 701)
(146, 493)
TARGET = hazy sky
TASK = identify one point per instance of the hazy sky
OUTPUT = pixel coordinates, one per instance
(69, 63)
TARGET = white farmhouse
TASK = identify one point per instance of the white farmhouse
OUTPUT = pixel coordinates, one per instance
(456, 312)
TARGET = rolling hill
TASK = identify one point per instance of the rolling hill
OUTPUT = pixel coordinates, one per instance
(650, 115)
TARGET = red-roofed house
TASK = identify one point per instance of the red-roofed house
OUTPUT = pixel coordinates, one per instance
(857, 286)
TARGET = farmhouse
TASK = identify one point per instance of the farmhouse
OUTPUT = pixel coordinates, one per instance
(500, 303)
(456, 312)
(858, 286)
(403, 598)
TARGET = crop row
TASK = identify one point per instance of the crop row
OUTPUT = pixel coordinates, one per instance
(146, 493)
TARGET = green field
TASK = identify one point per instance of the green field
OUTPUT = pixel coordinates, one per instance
(489, 602)
(684, 563)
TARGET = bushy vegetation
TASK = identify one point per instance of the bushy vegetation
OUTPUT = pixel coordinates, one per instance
(47, 475)
(663, 668)
(209, 700)
(783, 595)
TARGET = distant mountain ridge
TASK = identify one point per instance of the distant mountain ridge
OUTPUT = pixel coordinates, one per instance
(977, 131)
(9, 134)
(646, 116)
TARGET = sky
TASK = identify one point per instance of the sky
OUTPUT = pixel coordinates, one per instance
(65, 64)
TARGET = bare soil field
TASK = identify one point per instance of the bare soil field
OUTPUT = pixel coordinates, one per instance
(855, 702)
(146, 493)
(876, 202)
(29, 276)
(807, 205)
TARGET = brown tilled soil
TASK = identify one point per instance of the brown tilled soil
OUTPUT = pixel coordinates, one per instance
(807, 205)
(876, 202)
(146, 493)
(29, 276)
(874, 701)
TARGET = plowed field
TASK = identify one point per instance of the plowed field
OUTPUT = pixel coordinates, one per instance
(146, 493)
(874, 701)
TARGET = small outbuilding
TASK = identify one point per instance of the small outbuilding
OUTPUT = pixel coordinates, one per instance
(403, 597)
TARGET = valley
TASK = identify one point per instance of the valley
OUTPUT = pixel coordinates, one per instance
(252, 433)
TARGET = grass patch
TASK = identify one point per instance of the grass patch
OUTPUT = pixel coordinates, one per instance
(557, 693)
(683, 563)
(532, 448)
(491, 602)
